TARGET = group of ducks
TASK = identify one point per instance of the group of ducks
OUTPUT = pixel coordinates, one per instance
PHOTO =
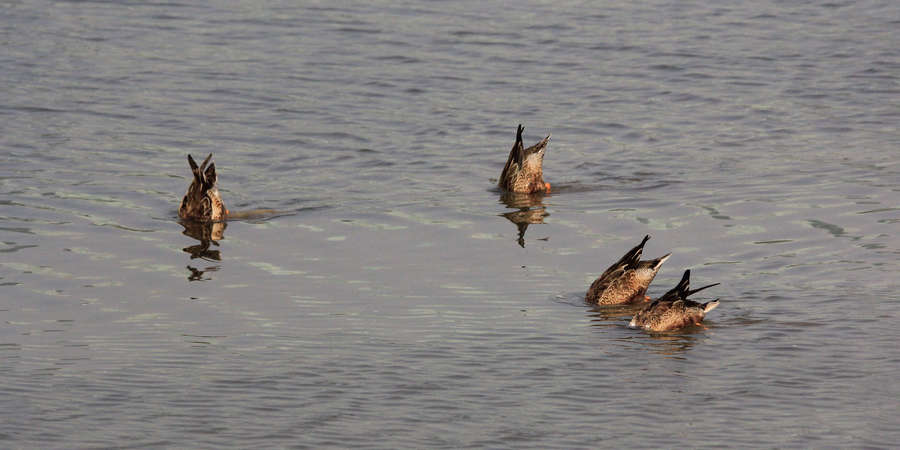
(623, 283)
(626, 282)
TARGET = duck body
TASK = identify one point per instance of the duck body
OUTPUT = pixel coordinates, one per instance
(627, 280)
(524, 169)
(674, 310)
(202, 201)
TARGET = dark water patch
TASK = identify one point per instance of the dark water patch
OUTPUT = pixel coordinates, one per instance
(380, 84)
(518, 62)
(832, 229)
(22, 230)
(693, 98)
(481, 33)
(33, 109)
(774, 241)
(612, 126)
(454, 78)
(489, 44)
(666, 68)
(400, 59)
(12, 247)
(358, 30)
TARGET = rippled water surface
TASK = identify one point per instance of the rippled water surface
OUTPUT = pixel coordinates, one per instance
(394, 298)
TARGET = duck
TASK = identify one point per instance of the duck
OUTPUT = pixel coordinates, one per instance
(202, 201)
(673, 310)
(524, 170)
(627, 280)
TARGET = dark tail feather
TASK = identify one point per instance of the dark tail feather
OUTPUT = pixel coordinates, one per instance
(517, 153)
(198, 174)
(638, 249)
(694, 291)
(678, 292)
(205, 162)
(685, 283)
(634, 255)
(519, 146)
(192, 163)
(209, 176)
(683, 289)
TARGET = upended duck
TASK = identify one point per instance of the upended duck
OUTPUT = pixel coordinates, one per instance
(524, 170)
(627, 280)
(202, 201)
(673, 310)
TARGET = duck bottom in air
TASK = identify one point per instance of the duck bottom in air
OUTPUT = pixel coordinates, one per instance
(673, 310)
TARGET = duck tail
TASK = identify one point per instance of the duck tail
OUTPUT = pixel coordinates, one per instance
(516, 156)
(678, 291)
(539, 146)
(205, 162)
(633, 257)
(517, 153)
(655, 264)
(198, 171)
(683, 286)
(644, 241)
(694, 291)
(195, 169)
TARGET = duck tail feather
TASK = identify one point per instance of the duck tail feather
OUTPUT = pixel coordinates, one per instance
(684, 285)
(658, 262)
(694, 291)
(634, 255)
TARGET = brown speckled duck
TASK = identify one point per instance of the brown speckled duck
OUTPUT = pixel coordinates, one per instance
(524, 170)
(673, 310)
(627, 280)
(202, 201)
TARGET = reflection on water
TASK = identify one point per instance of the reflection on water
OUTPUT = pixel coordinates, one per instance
(529, 209)
(671, 344)
(208, 233)
(197, 274)
(601, 315)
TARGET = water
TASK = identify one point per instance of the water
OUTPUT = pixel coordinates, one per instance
(396, 299)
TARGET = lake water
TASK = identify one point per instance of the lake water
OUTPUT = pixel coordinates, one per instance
(396, 299)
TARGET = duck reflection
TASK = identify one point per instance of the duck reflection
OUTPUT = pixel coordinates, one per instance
(671, 344)
(208, 233)
(529, 209)
(608, 315)
(197, 274)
